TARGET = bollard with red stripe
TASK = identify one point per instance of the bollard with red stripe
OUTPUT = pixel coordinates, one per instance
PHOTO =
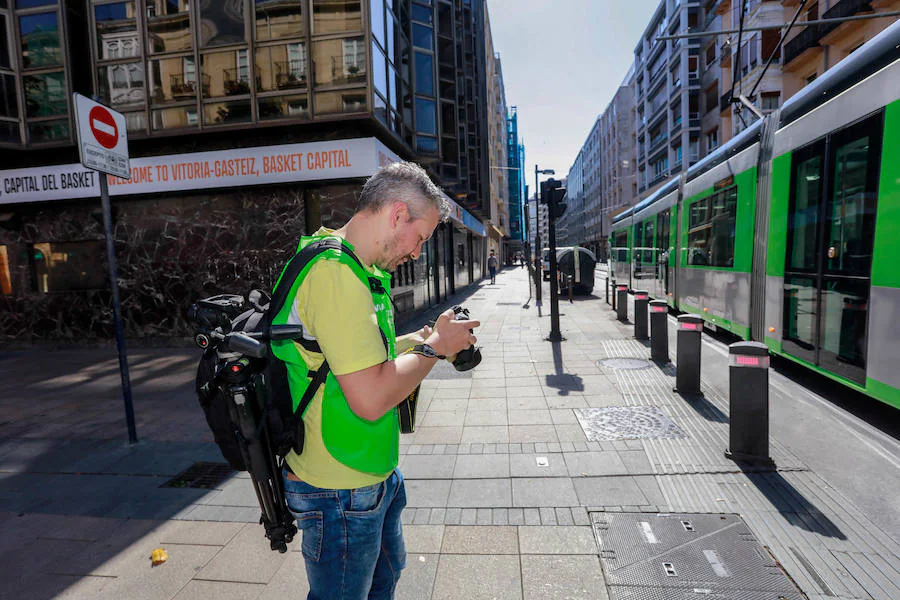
(659, 331)
(641, 298)
(687, 352)
(748, 403)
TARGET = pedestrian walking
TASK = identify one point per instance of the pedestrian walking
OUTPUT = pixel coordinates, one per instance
(493, 263)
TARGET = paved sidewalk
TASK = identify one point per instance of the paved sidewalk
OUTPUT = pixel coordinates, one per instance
(508, 496)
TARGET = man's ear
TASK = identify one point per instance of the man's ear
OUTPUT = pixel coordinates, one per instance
(399, 213)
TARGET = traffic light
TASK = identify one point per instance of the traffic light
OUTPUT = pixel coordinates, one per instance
(552, 194)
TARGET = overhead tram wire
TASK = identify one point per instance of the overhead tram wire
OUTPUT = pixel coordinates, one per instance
(737, 62)
(776, 49)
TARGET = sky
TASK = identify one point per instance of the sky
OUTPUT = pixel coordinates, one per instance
(563, 61)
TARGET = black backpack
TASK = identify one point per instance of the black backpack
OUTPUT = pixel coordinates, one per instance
(268, 376)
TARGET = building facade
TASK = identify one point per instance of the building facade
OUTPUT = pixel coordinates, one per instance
(498, 225)
(515, 170)
(249, 124)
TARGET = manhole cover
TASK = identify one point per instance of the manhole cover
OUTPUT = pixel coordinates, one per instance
(205, 475)
(626, 423)
(623, 363)
(681, 556)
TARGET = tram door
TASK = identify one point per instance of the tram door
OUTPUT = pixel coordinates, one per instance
(831, 230)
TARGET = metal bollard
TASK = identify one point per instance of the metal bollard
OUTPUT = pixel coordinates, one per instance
(641, 298)
(659, 331)
(748, 401)
(607, 288)
(622, 302)
(687, 375)
(613, 294)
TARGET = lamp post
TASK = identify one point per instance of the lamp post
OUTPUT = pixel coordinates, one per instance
(538, 249)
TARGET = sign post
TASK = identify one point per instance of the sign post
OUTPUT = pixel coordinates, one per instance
(103, 147)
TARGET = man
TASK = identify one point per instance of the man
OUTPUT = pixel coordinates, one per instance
(344, 488)
(493, 263)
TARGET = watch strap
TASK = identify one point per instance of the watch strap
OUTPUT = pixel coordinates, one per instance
(426, 350)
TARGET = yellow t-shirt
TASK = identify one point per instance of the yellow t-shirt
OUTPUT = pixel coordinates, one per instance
(336, 308)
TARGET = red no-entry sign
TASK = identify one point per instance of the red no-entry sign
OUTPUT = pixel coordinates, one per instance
(103, 126)
(102, 140)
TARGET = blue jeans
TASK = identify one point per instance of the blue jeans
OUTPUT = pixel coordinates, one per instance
(352, 539)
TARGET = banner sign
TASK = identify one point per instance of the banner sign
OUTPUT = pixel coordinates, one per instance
(313, 161)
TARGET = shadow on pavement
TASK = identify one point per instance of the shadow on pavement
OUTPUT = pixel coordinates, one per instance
(564, 382)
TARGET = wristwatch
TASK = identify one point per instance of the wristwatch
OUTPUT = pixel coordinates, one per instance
(426, 350)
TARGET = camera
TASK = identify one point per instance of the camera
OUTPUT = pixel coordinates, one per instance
(470, 357)
(210, 314)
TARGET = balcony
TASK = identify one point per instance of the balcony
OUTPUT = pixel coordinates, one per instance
(290, 75)
(725, 102)
(810, 36)
(235, 82)
(658, 141)
(185, 89)
(725, 56)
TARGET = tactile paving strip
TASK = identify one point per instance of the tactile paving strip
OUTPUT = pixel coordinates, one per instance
(715, 553)
(626, 423)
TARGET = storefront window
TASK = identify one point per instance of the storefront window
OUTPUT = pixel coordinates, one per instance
(225, 113)
(40, 40)
(20, 4)
(45, 94)
(9, 132)
(379, 71)
(117, 35)
(221, 23)
(48, 131)
(340, 61)
(280, 107)
(5, 60)
(69, 266)
(344, 101)
(168, 25)
(424, 74)
(175, 79)
(426, 121)
(334, 16)
(281, 67)
(122, 85)
(174, 118)
(276, 19)
(8, 104)
(228, 73)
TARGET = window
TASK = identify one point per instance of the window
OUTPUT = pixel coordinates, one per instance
(333, 16)
(339, 61)
(769, 101)
(168, 25)
(422, 37)
(278, 107)
(711, 227)
(661, 167)
(712, 98)
(8, 105)
(281, 67)
(40, 40)
(693, 66)
(620, 246)
(712, 140)
(276, 19)
(424, 74)
(174, 79)
(121, 86)
(426, 119)
(116, 30)
(5, 60)
(770, 38)
(811, 78)
(223, 113)
(45, 95)
(678, 156)
(711, 54)
(174, 118)
(344, 101)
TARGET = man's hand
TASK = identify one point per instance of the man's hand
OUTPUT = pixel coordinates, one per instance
(451, 336)
(408, 340)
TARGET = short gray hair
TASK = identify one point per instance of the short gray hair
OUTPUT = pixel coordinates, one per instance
(406, 182)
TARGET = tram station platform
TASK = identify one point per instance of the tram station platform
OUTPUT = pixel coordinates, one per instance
(553, 470)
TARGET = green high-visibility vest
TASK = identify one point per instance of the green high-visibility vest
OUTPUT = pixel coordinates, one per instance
(367, 446)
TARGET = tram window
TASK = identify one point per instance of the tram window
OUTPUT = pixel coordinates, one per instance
(620, 239)
(804, 214)
(638, 237)
(649, 227)
(711, 229)
(662, 231)
(851, 226)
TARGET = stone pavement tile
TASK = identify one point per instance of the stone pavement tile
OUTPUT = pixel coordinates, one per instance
(484, 516)
(247, 558)
(427, 493)
(416, 580)
(530, 417)
(422, 516)
(492, 403)
(289, 581)
(454, 383)
(452, 516)
(563, 578)
(227, 514)
(220, 590)
(569, 432)
(468, 516)
(442, 418)
(485, 417)
(544, 491)
(563, 416)
(580, 516)
(609, 491)
(423, 539)
(557, 540)
(236, 492)
(525, 465)
(636, 461)
(526, 402)
(430, 466)
(532, 516)
(478, 577)
(532, 433)
(605, 401)
(480, 540)
(60, 587)
(568, 401)
(200, 533)
(449, 395)
(437, 516)
(438, 435)
(548, 516)
(564, 516)
(481, 374)
(500, 516)
(516, 516)
(474, 466)
(587, 464)
(525, 392)
(485, 434)
(523, 382)
(480, 493)
(650, 487)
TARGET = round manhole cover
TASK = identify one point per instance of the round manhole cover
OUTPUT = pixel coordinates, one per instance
(624, 363)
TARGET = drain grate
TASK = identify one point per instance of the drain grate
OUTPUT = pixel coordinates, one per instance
(204, 475)
(626, 423)
(668, 556)
(623, 363)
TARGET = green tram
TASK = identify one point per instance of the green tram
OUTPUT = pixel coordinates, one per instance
(790, 233)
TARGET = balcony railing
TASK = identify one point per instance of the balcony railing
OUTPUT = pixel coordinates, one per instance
(182, 88)
(236, 82)
(725, 102)
(290, 74)
(810, 36)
